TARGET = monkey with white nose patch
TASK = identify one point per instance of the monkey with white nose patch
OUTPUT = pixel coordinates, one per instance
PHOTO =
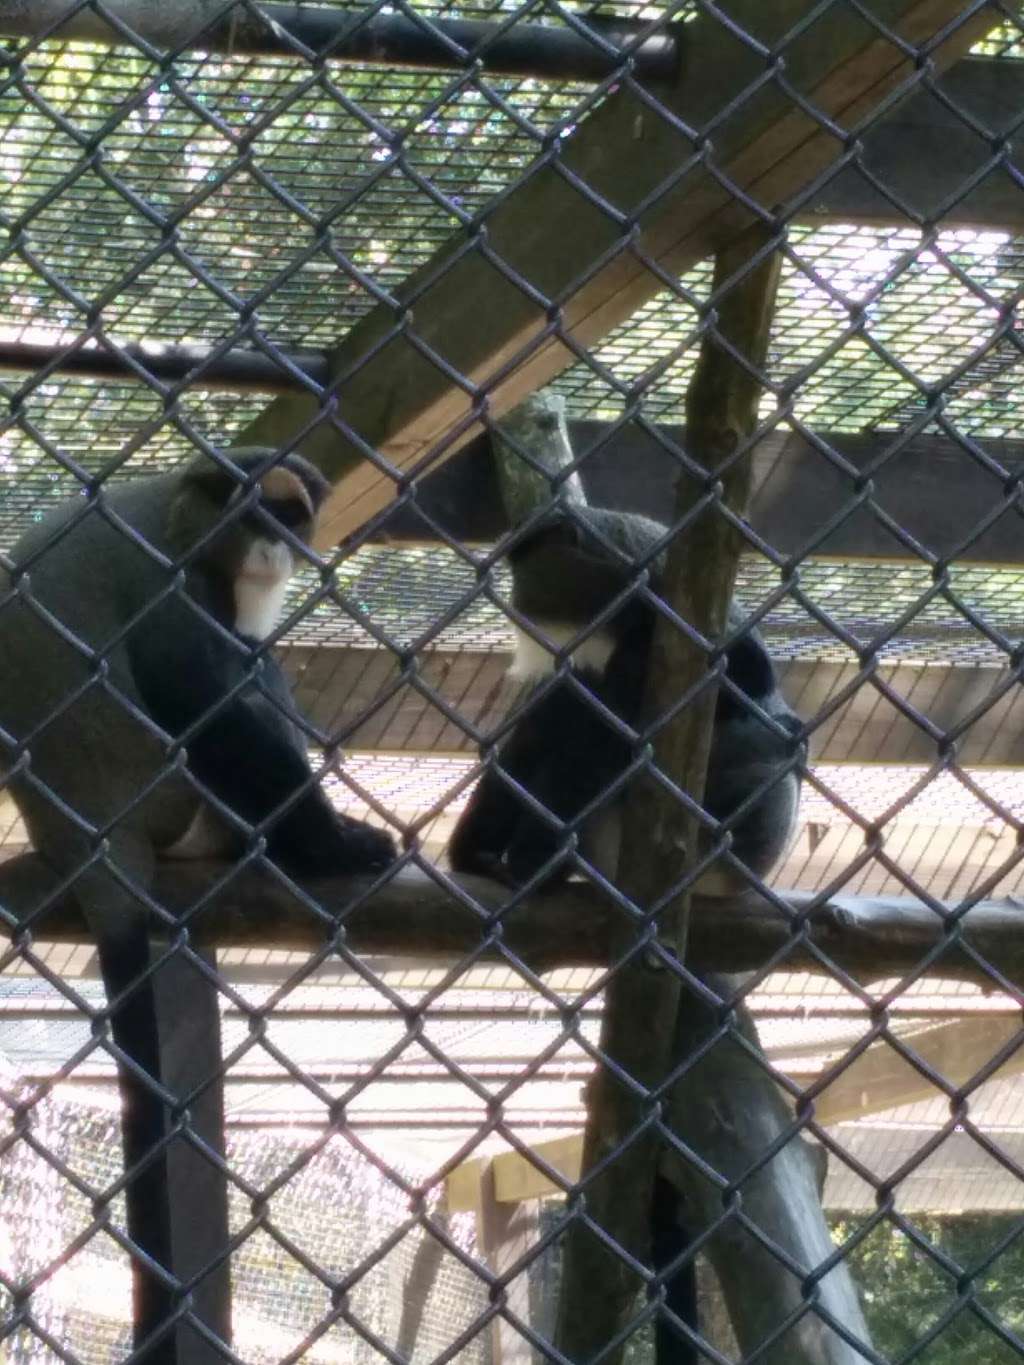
(136, 723)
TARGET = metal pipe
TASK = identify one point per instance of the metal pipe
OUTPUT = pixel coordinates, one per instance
(552, 1074)
(238, 371)
(544, 51)
(553, 1124)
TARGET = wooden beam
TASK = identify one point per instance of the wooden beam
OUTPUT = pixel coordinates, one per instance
(961, 1052)
(428, 918)
(931, 486)
(925, 155)
(865, 728)
(481, 307)
(869, 728)
(877, 1080)
(515, 1177)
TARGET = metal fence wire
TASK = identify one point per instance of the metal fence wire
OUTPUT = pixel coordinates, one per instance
(510, 661)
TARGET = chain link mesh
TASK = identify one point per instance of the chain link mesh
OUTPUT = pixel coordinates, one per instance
(404, 1126)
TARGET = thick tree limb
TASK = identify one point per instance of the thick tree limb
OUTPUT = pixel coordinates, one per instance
(872, 938)
(599, 1286)
(730, 1112)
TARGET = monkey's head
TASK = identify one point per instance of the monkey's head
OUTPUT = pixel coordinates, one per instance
(576, 562)
(247, 519)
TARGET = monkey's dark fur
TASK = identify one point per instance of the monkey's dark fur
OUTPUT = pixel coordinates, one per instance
(105, 660)
(567, 755)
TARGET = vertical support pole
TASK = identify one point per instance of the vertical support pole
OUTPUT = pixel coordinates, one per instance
(503, 1234)
(604, 1271)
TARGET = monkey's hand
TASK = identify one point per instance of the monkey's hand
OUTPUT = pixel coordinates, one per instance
(485, 864)
(369, 849)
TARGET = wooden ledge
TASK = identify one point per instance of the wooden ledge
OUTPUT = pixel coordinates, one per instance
(414, 915)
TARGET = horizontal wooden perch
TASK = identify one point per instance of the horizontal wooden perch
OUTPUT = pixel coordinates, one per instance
(870, 937)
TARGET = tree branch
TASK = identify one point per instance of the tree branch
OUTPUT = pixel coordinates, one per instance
(729, 1111)
(871, 938)
(659, 841)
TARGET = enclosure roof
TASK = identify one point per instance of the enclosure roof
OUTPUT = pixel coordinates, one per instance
(355, 175)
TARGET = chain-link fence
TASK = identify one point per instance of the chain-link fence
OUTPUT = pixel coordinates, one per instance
(510, 662)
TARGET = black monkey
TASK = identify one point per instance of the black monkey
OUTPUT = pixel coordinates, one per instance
(128, 625)
(566, 754)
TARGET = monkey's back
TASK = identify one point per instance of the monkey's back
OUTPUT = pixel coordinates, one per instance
(66, 687)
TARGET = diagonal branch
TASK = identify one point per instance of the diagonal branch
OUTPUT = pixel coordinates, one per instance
(594, 228)
(599, 1285)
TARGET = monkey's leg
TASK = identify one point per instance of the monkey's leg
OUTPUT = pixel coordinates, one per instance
(583, 757)
(248, 754)
(768, 800)
(256, 770)
(485, 828)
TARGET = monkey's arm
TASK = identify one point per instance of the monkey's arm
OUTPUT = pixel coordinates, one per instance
(484, 829)
(246, 752)
(747, 773)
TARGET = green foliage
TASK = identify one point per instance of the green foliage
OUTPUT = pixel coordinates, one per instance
(961, 1278)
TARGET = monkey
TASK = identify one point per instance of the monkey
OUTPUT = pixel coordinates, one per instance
(575, 594)
(574, 589)
(669, 1241)
(142, 718)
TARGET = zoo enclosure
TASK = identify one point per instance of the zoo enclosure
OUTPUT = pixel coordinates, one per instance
(202, 216)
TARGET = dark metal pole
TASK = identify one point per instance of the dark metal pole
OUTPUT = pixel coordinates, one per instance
(237, 371)
(545, 51)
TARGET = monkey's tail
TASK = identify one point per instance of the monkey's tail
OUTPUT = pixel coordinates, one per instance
(125, 963)
(669, 1239)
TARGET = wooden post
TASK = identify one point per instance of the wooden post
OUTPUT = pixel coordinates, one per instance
(504, 1233)
(600, 1286)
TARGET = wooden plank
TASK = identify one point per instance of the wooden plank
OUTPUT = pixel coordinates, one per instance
(925, 154)
(878, 1080)
(867, 728)
(930, 486)
(504, 1233)
(468, 306)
